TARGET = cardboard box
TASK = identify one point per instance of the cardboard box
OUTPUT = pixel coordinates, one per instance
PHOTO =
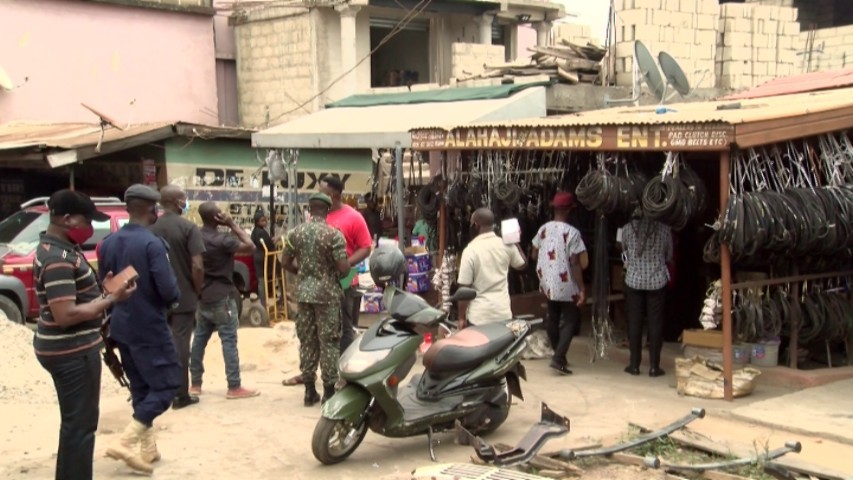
(702, 338)
(418, 260)
(418, 283)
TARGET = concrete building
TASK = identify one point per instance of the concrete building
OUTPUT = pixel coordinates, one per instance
(137, 61)
(294, 57)
(736, 45)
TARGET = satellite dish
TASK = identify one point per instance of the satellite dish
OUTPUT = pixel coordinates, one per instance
(649, 70)
(674, 74)
(5, 81)
(105, 119)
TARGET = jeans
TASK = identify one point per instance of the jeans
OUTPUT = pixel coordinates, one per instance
(218, 317)
(77, 379)
(154, 375)
(563, 318)
(182, 325)
(350, 308)
(645, 306)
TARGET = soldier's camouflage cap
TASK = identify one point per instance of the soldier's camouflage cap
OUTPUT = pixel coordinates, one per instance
(322, 197)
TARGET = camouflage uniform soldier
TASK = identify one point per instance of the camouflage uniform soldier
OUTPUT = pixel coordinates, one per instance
(320, 251)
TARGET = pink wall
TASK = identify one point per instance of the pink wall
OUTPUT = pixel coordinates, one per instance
(109, 57)
(526, 39)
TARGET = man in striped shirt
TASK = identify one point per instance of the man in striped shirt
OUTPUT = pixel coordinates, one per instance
(67, 341)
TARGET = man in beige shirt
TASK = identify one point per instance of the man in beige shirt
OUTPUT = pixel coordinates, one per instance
(484, 267)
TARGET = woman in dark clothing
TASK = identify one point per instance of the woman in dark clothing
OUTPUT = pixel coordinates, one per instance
(261, 238)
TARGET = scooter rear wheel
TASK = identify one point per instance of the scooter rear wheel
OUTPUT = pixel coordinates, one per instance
(335, 440)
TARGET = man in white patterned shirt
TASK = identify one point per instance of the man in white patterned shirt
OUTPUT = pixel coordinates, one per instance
(561, 256)
(647, 248)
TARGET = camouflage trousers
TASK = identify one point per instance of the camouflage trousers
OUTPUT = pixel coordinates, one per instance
(318, 327)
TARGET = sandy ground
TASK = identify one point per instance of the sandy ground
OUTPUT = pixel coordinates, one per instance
(268, 437)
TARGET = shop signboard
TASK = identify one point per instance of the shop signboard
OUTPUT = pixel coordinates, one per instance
(227, 172)
(240, 191)
(697, 137)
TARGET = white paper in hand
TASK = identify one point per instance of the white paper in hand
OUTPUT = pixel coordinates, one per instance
(511, 231)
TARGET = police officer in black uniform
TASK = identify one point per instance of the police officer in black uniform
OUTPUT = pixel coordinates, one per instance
(139, 326)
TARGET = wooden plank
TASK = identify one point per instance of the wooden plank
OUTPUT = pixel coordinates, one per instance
(717, 475)
(692, 439)
(547, 463)
(570, 60)
(570, 77)
(551, 473)
(629, 459)
(580, 448)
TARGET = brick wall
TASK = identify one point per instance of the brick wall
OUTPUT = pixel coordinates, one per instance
(275, 66)
(468, 58)
(575, 33)
(817, 13)
(756, 43)
(828, 49)
(686, 29)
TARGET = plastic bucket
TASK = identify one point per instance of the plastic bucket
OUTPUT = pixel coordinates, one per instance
(765, 354)
(741, 353)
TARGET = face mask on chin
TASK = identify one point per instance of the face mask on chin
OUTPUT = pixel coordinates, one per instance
(79, 234)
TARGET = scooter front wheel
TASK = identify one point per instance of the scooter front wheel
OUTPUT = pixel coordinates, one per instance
(335, 440)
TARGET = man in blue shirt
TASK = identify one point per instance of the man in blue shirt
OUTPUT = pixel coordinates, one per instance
(139, 326)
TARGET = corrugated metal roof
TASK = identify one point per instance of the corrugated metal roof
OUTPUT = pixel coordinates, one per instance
(382, 126)
(65, 135)
(727, 112)
(17, 135)
(808, 82)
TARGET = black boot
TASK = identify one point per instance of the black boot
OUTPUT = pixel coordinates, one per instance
(328, 391)
(311, 395)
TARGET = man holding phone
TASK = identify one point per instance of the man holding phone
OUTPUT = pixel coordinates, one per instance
(217, 310)
(71, 311)
(139, 327)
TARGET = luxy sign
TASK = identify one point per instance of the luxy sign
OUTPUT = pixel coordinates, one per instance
(237, 191)
(712, 137)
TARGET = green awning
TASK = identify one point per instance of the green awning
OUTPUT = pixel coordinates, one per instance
(434, 96)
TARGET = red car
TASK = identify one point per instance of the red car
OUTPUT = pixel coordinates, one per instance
(19, 236)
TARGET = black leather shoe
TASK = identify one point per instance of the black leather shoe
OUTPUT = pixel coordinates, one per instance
(632, 370)
(656, 372)
(561, 369)
(181, 402)
(311, 396)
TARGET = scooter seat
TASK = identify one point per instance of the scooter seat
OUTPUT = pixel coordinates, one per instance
(467, 348)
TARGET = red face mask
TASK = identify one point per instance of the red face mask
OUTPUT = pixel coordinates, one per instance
(79, 234)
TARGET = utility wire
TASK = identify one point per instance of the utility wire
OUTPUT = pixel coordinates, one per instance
(410, 15)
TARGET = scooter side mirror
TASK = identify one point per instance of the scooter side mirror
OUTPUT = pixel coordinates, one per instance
(464, 294)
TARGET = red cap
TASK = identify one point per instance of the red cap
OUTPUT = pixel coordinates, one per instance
(563, 200)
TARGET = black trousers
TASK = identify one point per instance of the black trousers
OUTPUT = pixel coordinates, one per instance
(77, 379)
(563, 319)
(154, 375)
(182, 326)
(350, 308)
(645, 307)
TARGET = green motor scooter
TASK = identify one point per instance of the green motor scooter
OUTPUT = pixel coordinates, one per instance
(469, 377)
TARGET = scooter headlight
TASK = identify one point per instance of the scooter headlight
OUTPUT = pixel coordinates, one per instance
(355, 361)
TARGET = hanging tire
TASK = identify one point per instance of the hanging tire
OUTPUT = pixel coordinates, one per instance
(11, 310)
(335, 440)
(256, 316)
